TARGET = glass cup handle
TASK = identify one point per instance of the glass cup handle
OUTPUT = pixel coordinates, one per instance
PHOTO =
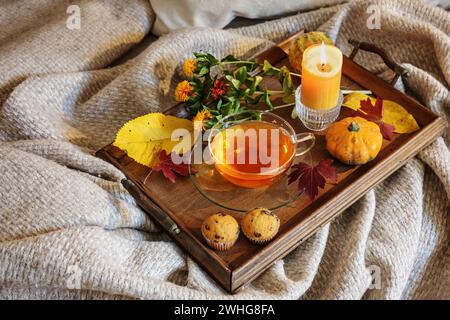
(301, 137)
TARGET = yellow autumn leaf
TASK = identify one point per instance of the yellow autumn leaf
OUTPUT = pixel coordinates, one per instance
(393, 113)
(402, 120)
(144, 137)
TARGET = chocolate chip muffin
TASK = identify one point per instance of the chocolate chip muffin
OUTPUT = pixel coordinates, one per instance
(220, 231)
(260, 225)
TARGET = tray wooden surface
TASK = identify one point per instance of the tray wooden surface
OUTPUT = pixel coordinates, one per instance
(180, 209)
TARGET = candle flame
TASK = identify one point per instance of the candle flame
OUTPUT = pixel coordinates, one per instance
(323, 54)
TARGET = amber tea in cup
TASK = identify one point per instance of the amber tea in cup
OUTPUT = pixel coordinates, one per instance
(254, 153)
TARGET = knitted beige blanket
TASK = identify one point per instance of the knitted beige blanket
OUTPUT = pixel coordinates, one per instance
(68, 229)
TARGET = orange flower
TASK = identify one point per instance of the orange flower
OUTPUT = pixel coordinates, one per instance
(183, 91)
(218, 89)
(200, 118)
(189, 66)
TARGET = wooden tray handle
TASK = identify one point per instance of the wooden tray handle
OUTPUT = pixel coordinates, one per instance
(360, 45)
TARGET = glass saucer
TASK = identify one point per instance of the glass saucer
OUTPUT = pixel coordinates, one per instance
(210, 183)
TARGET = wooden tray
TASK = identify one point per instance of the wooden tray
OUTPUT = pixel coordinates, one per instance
(180, 209)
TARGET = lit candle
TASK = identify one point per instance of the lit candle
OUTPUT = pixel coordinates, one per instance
(321, 76)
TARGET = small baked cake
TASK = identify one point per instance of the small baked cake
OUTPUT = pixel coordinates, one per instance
(260, 225)
(220, 231)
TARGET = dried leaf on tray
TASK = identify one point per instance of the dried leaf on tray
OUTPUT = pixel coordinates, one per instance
(144, 137)
(169, 168)
(393, 113)
(312, 178)
(374, 112)
(397, 116)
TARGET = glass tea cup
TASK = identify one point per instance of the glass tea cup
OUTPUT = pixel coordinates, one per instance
(254, 148)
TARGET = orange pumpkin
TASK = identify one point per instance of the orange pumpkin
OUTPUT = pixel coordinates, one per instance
(354, 140)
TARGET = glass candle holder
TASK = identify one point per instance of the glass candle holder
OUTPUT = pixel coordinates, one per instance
(316, 119)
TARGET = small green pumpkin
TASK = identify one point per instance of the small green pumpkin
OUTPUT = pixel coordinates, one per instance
(304, 41)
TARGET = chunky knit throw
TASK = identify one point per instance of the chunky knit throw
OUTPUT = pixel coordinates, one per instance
(69, 230)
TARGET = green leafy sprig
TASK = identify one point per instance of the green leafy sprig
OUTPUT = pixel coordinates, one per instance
(236, 84)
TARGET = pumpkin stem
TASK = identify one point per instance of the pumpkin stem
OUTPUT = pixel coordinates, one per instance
(353, 127)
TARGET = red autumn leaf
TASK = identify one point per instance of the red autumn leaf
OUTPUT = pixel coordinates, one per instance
(375, 113)
(327, 170)
(387, 130)
(169, 168)
(311, 178)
